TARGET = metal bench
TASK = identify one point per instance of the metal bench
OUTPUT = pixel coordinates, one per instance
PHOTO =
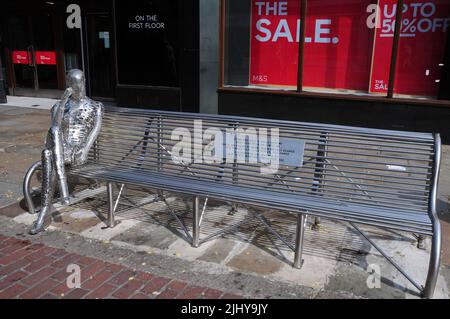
(373, 177)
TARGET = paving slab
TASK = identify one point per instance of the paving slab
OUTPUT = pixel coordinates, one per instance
(253, 260)
(30, 102)
(145, 234)
(219, 251)
(75, 220)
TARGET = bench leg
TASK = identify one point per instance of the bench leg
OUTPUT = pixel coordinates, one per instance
(421, 241)
(301, 220)
(316, 225)
(196, 223)
(435, 257)
(111, 223)
(234, 209)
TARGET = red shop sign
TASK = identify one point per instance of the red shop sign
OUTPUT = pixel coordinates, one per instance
(45, 57)
(421, 47)
(20, 57)
(337, 44)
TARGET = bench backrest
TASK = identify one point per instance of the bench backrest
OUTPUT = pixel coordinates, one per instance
(373, 167)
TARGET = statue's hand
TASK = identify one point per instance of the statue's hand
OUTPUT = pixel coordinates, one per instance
(67, 93)
(79, 156)
(62, 105)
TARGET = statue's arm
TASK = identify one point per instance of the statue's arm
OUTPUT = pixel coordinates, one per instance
(54, 112)
(94, 132)
(58, 108)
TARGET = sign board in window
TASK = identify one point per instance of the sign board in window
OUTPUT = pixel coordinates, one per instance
(20, 57)
(343, 50)
(104, 35)
(45, 57)
(421, 47)
(337, 44)
(151, 27)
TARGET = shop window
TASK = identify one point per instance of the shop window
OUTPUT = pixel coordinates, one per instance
(72, 49)
(44, 45)
(421, 48)
(237, 45)
(338, 46)
(147, 42)
(261, 44)
(348, 47)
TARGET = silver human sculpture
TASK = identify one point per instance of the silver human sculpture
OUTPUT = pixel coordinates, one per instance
(76, 122)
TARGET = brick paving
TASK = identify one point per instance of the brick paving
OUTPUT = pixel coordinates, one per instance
(29, 271)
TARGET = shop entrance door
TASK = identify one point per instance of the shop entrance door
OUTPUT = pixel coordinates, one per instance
(33, 54)
(100, 55)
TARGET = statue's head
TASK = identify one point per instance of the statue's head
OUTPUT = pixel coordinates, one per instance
(76, 80)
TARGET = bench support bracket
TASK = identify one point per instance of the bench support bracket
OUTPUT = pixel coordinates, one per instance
(177, 219)
(420, 241)
(316, 224)
(391, 261)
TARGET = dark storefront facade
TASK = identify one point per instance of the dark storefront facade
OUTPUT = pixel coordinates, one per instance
(136, 53)
(371, 63)
(350, 66)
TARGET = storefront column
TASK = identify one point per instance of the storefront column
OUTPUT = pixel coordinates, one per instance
(2, 84)
(209, 55)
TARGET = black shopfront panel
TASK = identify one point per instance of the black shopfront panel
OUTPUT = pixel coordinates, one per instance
(157, 54)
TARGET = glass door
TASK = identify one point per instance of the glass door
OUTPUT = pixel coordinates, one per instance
(44, 52)
(22, 57)
(33, 53)
(100, 54)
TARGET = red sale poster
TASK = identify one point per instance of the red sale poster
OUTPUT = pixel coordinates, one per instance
(275, 36)
(337, 44)
(421, 47)
(382, 48)
(346, 47)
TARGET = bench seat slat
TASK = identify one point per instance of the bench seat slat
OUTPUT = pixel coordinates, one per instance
(416, 200)
(397, 219)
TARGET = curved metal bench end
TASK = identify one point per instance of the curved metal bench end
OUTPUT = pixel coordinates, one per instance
(27, 186)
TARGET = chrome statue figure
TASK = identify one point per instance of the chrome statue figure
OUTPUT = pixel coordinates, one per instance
(76, 122)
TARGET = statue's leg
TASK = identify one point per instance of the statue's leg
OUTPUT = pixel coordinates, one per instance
(48, 182)
(58, 160)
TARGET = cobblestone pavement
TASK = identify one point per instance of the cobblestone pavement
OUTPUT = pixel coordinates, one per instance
(32, 271)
